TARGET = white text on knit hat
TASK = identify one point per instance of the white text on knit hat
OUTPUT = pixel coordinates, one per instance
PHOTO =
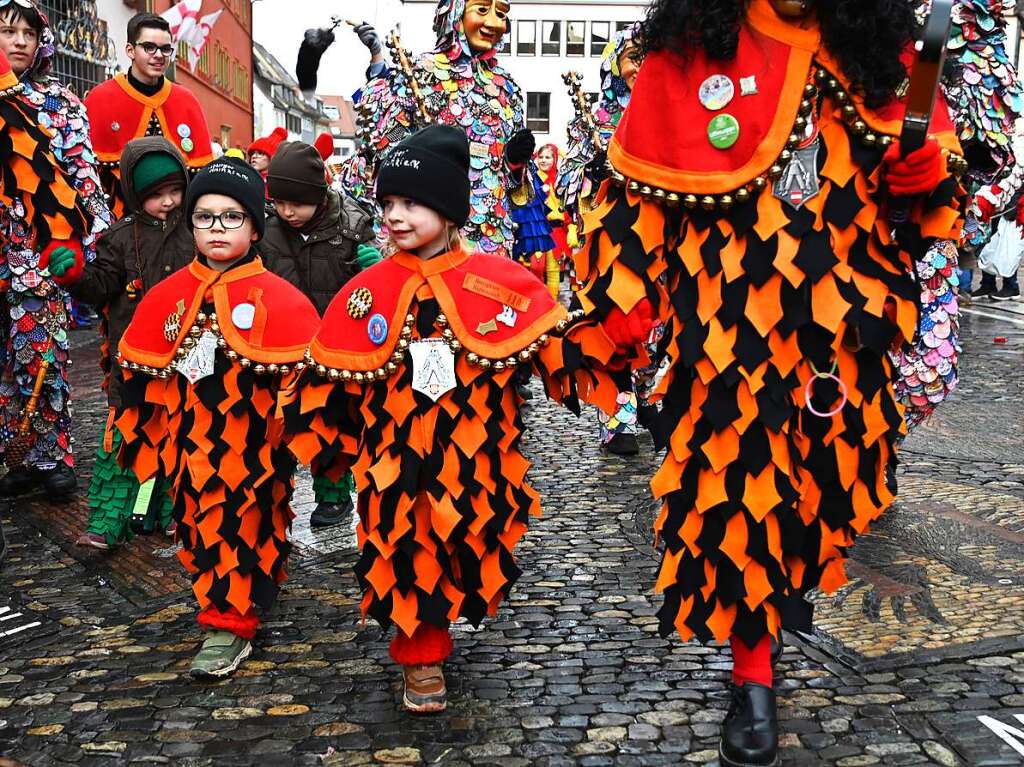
(399, 159)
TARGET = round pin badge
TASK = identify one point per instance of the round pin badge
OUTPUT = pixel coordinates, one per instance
(377, 329)
(723, 131)
(115, 126)
(184, 131)
(242, 316)
(360, 303)
(716, 92)
(187, 145)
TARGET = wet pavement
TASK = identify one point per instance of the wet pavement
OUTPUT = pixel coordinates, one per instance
(919, 660)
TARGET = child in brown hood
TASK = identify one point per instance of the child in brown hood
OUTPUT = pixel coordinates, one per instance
(150, 243)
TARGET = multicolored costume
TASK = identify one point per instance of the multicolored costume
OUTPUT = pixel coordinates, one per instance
(36, 318)
(575, 186)
(768, 255)
(417, 395)
(204, 359)
(460, 88)
(119, 112)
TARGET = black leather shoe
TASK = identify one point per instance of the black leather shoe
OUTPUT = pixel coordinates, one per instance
(20, 480)
(623, 444)
(750, 732)
(60, 482)
(329, 514)
(777, 646)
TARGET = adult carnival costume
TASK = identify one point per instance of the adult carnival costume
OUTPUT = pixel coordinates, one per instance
(34, 389)
(582, 172)
(461, 83)
(754, 174)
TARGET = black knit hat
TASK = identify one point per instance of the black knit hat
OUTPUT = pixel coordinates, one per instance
(432, 167)
(235, 179)
(297, 174)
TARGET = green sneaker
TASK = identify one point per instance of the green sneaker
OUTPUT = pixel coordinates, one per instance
(221, 654)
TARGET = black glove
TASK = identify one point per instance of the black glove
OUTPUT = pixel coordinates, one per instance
(597, 169)
(368, 36)
(519, 148)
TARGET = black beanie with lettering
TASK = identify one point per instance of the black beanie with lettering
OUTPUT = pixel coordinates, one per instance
(235, 179)
(432, 167)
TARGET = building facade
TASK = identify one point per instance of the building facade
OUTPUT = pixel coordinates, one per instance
(278, 102)
(547, 39)
(86, 50)
(342, 116)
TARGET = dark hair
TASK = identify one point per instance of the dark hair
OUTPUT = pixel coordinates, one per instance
(865, 36)
(30, 16)
(142, 21)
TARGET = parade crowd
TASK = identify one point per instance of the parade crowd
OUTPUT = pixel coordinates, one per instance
(757, 274)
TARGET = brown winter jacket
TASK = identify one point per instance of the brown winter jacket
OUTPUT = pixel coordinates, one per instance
(136, 247)
(325, 261)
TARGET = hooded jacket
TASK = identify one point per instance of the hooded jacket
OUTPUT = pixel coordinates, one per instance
(133, 255)
(320, 263)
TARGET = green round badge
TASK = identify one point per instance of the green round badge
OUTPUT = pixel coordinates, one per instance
(187, 145)
(723, 131)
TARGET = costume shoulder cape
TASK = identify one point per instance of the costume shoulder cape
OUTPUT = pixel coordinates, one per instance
(283, 320)
(776, 61)
(471, 290)
(118, 113)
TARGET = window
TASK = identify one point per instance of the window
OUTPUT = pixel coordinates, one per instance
(526, 38)
(538, 112)
(332, 112)
(600, 34)
(575, 38)
(505, 46)
(294, 124)
(551, 38)
(621, 25)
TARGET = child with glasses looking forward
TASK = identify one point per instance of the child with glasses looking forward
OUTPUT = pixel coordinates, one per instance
(205, 358)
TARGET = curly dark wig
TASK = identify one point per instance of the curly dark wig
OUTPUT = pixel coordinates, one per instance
(865, 36)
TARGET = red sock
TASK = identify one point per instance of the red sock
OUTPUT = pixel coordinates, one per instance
(751, 664)
(428, 646)
(243, 626)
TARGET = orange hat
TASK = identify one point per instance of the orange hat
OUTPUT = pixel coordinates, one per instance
(268, 144)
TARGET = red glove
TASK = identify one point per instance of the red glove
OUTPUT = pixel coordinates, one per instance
(69, 276)
(628, 331)
(920, 172)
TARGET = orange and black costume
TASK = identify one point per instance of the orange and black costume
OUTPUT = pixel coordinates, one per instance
(217, 438)
(761, 498)
(443, 495)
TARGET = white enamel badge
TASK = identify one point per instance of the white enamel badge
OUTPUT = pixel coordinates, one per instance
(433, 367)
(199, 362)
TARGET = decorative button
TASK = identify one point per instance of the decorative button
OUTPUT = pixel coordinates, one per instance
(723, 131)
(716, 92)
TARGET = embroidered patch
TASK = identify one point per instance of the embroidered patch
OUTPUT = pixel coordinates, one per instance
(433, 367)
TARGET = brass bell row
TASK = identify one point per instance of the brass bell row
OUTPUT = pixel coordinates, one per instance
(14, 90)
(381, 373)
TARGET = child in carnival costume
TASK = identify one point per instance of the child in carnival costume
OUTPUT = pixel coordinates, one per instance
(581, 173)
(462, 84)
(205, 356)
(411, 383)
(148, 245)
(547, 160)
(763, 132)
(37, 313)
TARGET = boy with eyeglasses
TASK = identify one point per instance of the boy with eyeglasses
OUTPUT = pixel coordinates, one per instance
(143, 102)
(205, 357)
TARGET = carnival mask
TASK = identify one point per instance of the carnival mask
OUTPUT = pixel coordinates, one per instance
(484, 23)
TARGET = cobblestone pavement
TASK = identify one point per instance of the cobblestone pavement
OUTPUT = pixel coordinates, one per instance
(918, 661)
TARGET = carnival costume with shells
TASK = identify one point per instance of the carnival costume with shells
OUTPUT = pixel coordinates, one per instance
(763, 293)
(461, 88)
(38, 309)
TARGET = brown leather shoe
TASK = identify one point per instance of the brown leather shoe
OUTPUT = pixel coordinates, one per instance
(425, 691)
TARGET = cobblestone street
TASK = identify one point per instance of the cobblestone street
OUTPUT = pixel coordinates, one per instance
(919, 660)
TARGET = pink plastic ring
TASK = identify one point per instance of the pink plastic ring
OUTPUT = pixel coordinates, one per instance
(808, 393)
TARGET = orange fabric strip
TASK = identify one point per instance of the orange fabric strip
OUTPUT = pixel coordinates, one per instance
(489, 289)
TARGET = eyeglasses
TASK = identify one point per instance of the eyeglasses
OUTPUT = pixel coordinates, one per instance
(152, 48)
(229, 219)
